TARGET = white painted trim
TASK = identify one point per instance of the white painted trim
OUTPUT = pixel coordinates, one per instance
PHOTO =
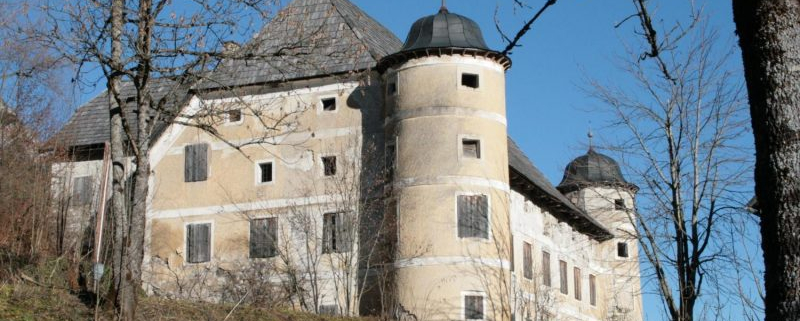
(257, 175)
(291, 92)
(241, 207)
(451, 260)
(444, 111)
(210, 242)
(453, 60)
(464, 295)
(452, 180)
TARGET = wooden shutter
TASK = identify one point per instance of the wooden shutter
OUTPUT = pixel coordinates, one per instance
(527, 261)
(344, 239)
(328, 226)
(547, 279)
(592, 290)
(195, 163)
(482, 221)
(198, 243)
(576, 276)
(563, 277)
(82, 190)
(263, 237)
(463, 217)
(473, 307)
(473, 216)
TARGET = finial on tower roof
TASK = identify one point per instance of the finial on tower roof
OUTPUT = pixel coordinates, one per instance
(591, 138)
(444, 7)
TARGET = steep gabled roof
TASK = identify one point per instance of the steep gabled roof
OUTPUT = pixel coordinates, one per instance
(528, 180)
(90, 123)
(307, 38)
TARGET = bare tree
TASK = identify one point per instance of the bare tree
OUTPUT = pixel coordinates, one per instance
(684, 118)
(769, 35)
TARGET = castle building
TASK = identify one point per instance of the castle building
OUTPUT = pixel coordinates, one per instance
(351, 173)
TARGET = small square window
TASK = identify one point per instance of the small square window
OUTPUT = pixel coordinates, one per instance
(329, 165)
(391, 89)
(622, 249)
(470, 80)
(265, 172)
(329, 104)
(471, 148)
(619, 204)
(473, 307)
(234, 115)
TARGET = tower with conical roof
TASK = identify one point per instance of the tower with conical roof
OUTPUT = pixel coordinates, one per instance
(446, 131)
(594, 182)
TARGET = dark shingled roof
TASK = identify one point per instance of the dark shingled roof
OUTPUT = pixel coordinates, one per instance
(592, 169)
(308, 38)
(445, 30)
(90, 123)
(528, 180)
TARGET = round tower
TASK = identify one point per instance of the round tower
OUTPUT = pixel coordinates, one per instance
(447, 141)
(595, 183)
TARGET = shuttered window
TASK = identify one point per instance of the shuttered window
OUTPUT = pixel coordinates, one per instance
(198, 243)
(592, 290)
(473, 216)
(527, 261)
(336, 233)
(82, 190)
(563, 277)
(263, 237)
(576, 280)
(195, 163)
(473, 307)
(546, 277)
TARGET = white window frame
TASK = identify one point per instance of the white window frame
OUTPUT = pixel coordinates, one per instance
(464, 295)
(210, 242)
(257, 173)
(320, 107)
(460, 148)
(488, 238)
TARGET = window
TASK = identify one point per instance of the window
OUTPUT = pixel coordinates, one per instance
(576, 280)
(329, 165)
(471, 148)
(336, 233)
(470, 80)
(329, 104)
(619, 204)
(265, 172)
(592, 290)
(473, 307)
(234, 115)
(547, 279)
(390, 161)
(195, 163)
(527, 261)
(622, 249)
(391, 88)
(564, 283)
(198, 243)
(473, 216)
(263, 237)
(82, 190)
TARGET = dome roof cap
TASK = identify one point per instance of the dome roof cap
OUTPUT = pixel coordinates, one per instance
(445, 30)
(593, 169)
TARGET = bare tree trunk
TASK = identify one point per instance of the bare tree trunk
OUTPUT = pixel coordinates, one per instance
(119, 202)
(769, 34)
